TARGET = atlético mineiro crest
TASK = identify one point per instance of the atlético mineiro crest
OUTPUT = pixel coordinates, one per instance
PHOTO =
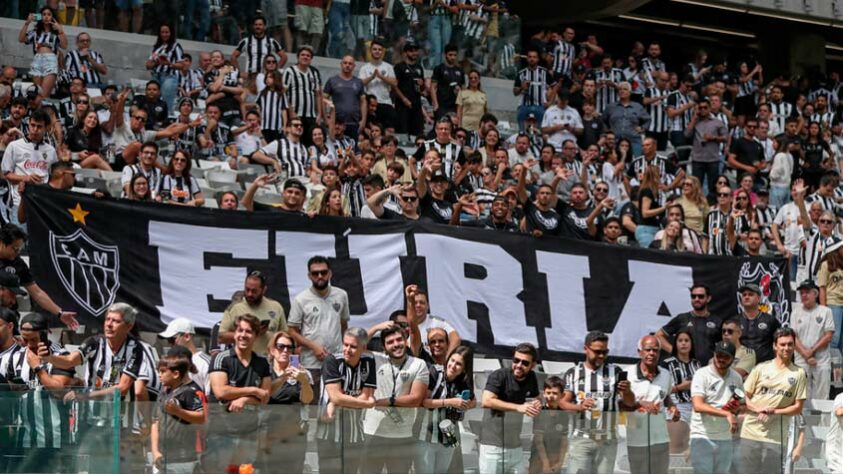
(89, 270)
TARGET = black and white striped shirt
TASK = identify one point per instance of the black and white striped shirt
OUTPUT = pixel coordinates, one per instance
(187, 140)
(830, 96)
(45, 38)
(293, 156)
(599, 385)
(352, 189)
(78, 66)
(272, 106)
(507, 56)
(347, 425)
(462, 18)
(828, 203)
(658, 115)
(153, 176)
(476, 27)
(180, 189)
(765, 217)
(826, 120)
(680, 372)
(539, 79)
(174, 54)
(811, 254)
(439, 388)
(747, 88)
(303, 90)
(780, 112)
(676, 100)
(607, 94)
(256, 49)
(449, 152)
(192, 79)
(715, 231)
(666, 167)
(564, 54)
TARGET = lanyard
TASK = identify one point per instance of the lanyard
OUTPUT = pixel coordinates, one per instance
(395, 376)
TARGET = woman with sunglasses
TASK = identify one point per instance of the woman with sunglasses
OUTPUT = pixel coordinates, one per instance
(745, 184)
(693, 203)
(284, 431)
(84, 142)
(682, 365)
(450, 394)
(270, 66)
(177, 185)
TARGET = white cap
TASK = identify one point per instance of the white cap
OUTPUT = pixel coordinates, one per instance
(178, 326)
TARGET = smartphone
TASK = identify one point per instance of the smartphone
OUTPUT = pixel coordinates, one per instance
(37, 17)
(622, 376)
(465, 395)
(44, 338)
(294, 361)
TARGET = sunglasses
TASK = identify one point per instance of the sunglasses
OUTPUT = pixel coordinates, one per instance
(599, 351)
(826, 221)
(287, 347)
(649, 349)
(601, 190)
(742, 198)
(687, 185)
(296, 125)
(409, 198)
(697, 297)
(81, 101)
(179, 160)
(318, 273)
(521, 362)
(728, 331)
(723, 195)
(139, 117)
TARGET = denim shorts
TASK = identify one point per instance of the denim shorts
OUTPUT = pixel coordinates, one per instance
(44, 64)
(127, 4)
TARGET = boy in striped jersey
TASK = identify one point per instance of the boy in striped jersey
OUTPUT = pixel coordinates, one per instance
(595, 391)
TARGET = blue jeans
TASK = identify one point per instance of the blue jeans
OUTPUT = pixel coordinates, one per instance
(794, 266)
(525, 110)
(202, 8)
(438, 35)
(169, 90)
(711, 457)
(645, 234)
(338, 25)
(635, 143)
(837, 314)
(779, 196)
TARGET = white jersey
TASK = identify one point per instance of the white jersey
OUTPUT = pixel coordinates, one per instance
(24, 158)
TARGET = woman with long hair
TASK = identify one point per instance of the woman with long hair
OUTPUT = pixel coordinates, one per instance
(331, 203)
(165, 63)
(177, 185)
(624, 150)
(46, 39)
(139, 189)
(472, 103)
(671, 238)
(682, 365)
(691, 241)
(830, 281)
(84, 141)
(781, 173)
(694, 205)
(491, 145)
(272, 103)
(813, 147)
(649, 205)
(449, 396)
(320, 153)
(283, 440)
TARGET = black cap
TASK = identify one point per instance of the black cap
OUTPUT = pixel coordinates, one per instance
(180, 351)
(579, 68)
(36, 321)
(294, 183)
(564, 94)
(725, 347)
(751, 287)
(12, 282)
(410, 46)
(808, 285)
(439, 176)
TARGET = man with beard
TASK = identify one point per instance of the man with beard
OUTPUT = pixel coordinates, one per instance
(408, 90)
(757, 326)
(775, 391)
(595, 392)
(292, 197)
(318, 317)
(146, 166)
(401, 383)
(714, 392)
(151, 103)
(706, 327)
(419, 301)
(269, 312)
(542, 215)
(646, 435)
(509, 393)
(445, 83)
(498, 218)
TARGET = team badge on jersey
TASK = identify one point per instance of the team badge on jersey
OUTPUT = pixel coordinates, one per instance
(89, 270)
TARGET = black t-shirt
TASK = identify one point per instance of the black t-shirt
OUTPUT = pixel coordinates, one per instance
(631, 210)
(238, 376)
(758, 335)
(182, 438)
(488, 223)
(406, 74)
(577, 217)
(156, 111)
(592, 129)
(390, 215)
(503, 429)
(814, 153)
(448, 81)
(548, 221)
(705, 333)
(654, 203)
(17, 267)
(747, 151)
(437, 210)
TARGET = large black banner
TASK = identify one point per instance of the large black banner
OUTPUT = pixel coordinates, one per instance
(497, 289)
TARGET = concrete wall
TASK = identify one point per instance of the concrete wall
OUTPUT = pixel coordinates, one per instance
(126, 53)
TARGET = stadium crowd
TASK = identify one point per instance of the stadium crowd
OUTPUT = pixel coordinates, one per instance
(704, 157)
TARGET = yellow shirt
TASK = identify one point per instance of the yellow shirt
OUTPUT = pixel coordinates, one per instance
(833, 283)
(744, 359)
(381, 165)
(269, 310)
(473, 107)
(694, 214)
(776, 388)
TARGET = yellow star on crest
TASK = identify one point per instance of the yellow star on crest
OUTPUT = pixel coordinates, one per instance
(78, 214)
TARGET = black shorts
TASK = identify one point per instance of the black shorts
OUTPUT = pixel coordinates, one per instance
(746, 106)
(410, 120)
(386, 115)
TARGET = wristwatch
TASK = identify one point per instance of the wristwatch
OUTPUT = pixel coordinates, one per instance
(392, 400)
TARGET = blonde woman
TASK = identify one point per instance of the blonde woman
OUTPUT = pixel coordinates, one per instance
(671, 240)
(693, 203)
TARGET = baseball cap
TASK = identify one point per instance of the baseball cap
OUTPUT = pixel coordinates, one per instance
(439, 176)
(12, 282)
(294, 183)
(725, 347)
(36, 321)
(808, 284)
(531, 116)
(177, 326)
(751, 287)
(832, 248)
(410, 46)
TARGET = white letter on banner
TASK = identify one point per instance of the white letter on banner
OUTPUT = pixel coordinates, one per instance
(566, 297)
(380, 269)
(654, 283)
(450, 290)
(185, 283)
(297, 248)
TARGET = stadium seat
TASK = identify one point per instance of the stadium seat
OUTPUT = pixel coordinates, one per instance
(226, 186)
(211, 203)
(207, 164)
(556, 368)
(110, 175)
(221, 176)
(486, 365)
(269, 199)
(87, 173)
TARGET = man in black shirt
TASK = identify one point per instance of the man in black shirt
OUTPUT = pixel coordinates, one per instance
(542, 216)
(498, 218)
(151, 103)
(757, 327)
(410, 76)
(747, 155)
(705, 326)
(240, 379)
(292, 198)
(509, 393)
(445, 83)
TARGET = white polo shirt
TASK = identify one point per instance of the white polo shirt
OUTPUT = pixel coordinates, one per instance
(22, 157)
(717, 392)
(558, 116)
(644, 429)
(397, 380)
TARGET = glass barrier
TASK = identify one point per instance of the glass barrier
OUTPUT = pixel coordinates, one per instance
(49, 431)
